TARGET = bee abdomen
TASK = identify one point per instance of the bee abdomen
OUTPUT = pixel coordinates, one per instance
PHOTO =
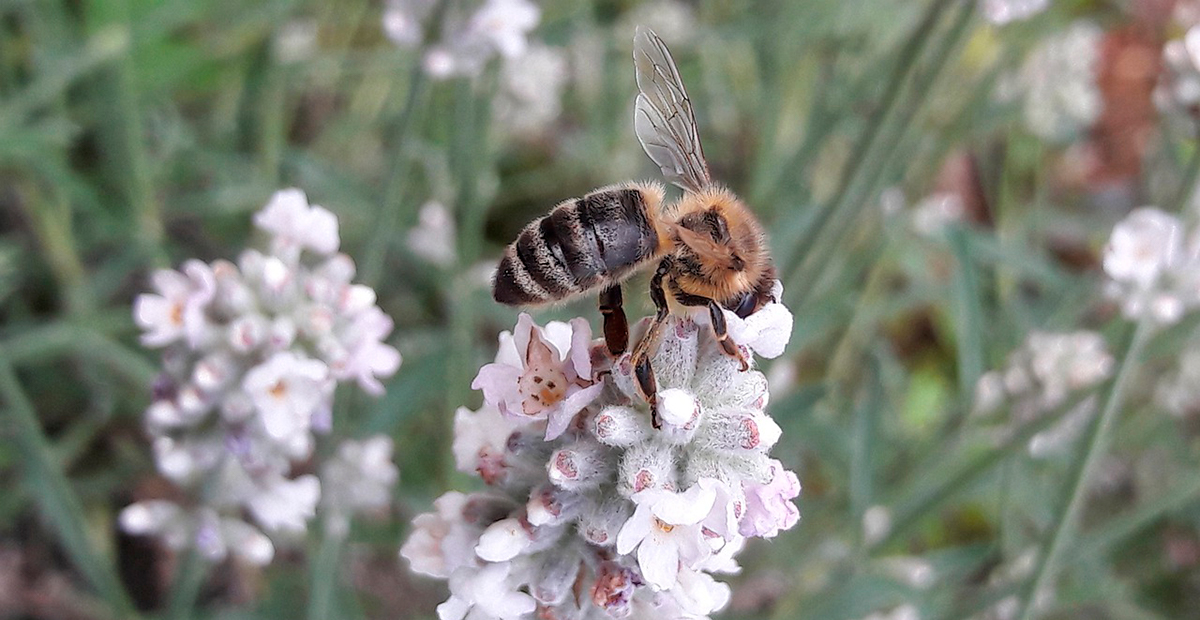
(580, 245)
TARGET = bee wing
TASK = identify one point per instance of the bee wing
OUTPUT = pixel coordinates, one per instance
(663, 118)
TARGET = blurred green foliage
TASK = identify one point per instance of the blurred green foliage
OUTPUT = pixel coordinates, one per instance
(137, 133)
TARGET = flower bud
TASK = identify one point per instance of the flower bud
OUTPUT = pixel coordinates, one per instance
(599, 522)
(620, 426)
(556, 576)
(679, 413)
(580, 465)
(645, 466)
(503, 540)
(550, 505)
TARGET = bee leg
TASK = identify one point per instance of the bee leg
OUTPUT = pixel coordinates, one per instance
(640, 358)
(646, 383)
(717, 318)
(719, 328)
(616, 326)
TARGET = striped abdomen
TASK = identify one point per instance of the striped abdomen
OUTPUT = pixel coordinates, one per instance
(582, 244)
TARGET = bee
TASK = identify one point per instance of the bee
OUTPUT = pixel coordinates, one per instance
(709, 250)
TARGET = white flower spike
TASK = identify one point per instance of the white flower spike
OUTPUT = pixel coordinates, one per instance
(252, 353)
(585, 496)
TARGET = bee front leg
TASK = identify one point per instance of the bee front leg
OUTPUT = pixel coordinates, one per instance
(721, 331)
(616, 326)
(717, 318)
(640, 358)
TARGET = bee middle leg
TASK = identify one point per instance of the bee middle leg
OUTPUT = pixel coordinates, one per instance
(720, 329)
(640, 358)
(616, 326)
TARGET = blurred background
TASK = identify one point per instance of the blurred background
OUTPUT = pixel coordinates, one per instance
(938, 177)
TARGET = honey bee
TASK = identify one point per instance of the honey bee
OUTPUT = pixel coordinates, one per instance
(709, 249)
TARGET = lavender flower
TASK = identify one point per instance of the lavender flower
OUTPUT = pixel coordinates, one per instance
(590, 512)
(531, 86)
(1058, 81)
(1177, 94)
(252, 353)
(433, 239)
(1041, 376)
(1001, 12)
(359, 478)
(469, 39)
(1154, 272)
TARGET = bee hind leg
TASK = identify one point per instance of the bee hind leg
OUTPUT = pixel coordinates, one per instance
(640, 358)
(616, 326)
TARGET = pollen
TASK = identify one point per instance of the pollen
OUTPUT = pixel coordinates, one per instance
(663, 526)
(278, 390)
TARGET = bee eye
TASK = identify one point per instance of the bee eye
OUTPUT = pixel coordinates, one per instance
(744, 306)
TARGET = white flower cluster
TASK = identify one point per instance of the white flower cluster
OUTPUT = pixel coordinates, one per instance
(469, 39)
(937, 212)
(1177, 94)
(532, 76)
(1059, 83)
(1179, 392)
(1001, 12)
(1041, 376)
(590, 512)
(252, 353)
(531, 86)
(1153, 265)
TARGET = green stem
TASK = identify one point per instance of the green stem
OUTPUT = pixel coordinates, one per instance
(56, 500)
(1137, 520)
(186, 588)
(61, 338)
(1187, 185)
(969, 324)
(388, 217)
(1094, 448)
(921, 502)
(130, 159)
(51, 220)
(794, 250)
(324, 577)
(867, 169)
(194, 569)
(468, 145)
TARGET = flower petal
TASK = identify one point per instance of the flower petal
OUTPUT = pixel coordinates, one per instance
(560, 418)
(634, 530)
(659, 561)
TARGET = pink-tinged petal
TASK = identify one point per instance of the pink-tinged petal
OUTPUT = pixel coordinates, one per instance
(321, 234)
(169, 283)
(507, 352)
(522, 333)
(453, 609)
(690, 545)
(560, 418)
(580, 354)
(558, 334)
(498, 383)
(687, 508)
(659, 561)
(768, 506)
(202, 280)
(635, 530)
